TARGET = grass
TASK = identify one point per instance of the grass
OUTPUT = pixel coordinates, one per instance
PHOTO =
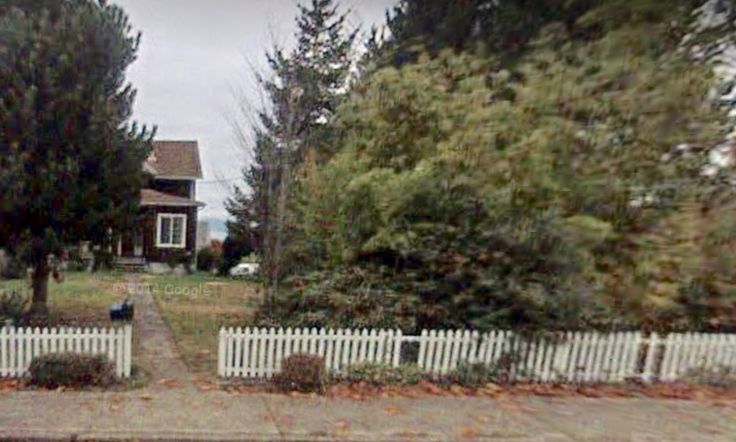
(81, 300)
(196, 306)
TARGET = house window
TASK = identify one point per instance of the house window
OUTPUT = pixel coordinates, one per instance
(171, 230)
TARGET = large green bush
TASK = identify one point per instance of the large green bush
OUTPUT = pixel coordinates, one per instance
(208, 260)
(544, 193)
(343, 298)
(72, 370)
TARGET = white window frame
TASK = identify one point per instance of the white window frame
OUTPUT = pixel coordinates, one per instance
(171, 245)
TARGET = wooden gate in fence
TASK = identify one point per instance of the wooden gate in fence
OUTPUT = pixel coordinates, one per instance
(576, 357)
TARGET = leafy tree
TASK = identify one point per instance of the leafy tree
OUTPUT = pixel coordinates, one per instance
(70, 164)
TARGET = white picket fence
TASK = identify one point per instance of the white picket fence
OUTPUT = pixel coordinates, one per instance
(255, 353)
(579, 357)
(18, 346)
(683, 352)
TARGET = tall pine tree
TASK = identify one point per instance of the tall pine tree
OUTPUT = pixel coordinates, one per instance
(303, 89)
(70, 162)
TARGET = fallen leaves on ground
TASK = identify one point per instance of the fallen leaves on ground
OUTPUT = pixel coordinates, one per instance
(170, 383)
(469, 432)
(7, 385)
(393, 411)
(341, 427)
(672, 390)
(206, 385)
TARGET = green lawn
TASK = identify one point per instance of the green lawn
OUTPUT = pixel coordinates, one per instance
(82, 299)
(196, 306)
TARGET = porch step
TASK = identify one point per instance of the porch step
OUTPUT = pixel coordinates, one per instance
(130, 265)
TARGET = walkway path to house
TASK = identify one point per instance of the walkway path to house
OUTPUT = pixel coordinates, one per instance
(154, 347)
(183, 414)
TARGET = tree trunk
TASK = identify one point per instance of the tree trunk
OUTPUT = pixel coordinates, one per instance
(40, 284)
(279, 234)
(277, 229)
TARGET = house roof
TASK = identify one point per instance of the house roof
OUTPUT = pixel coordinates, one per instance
(174, 159)
(150, 197)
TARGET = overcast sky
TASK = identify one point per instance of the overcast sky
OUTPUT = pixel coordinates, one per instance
(195, 60)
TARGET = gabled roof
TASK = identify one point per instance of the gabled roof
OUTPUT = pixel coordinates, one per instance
(174, 159)
(150, 197)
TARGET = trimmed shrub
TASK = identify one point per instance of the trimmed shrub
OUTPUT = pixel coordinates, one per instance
(180, 257)
(12, 268)
(104, 260)
(72, 370)
(472, 375)
(12, 305)
(381, 374)
(302, 372)
(207, 259)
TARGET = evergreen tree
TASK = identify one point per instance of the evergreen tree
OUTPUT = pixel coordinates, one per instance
(70, 163)
(303, 91)
(500, 28)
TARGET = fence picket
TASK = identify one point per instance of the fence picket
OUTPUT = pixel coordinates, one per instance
(725, 350)
(242, 354)
(484, 350)
(346, 348)
(493, 346)
(607, 357)
(396, 355)
(221, 357)
(731, 361)
(270, 351)
(263, 351)
(4, 341)
(28, 350)
(544, 360)
(230, 352)
(361, 350)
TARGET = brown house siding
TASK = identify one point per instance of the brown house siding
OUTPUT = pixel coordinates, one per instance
(156, 254)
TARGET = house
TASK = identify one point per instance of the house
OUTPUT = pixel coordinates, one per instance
(167, 232)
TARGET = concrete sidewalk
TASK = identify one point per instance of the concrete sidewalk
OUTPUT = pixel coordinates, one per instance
(183, 414)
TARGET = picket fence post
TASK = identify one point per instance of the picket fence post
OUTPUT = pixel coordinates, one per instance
(221, 353)
(128, 361)
(649, 360)
(397, 349)
(4, 340)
